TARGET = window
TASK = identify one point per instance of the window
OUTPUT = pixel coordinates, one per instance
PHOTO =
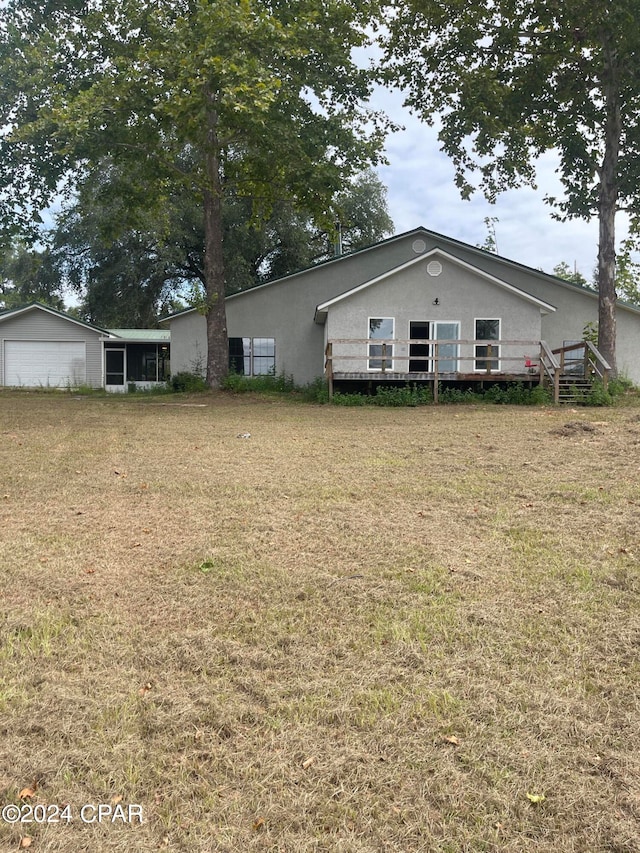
(487, 330)
(381, 328)
(252, 356)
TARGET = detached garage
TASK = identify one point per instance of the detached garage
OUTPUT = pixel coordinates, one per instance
(43, 348)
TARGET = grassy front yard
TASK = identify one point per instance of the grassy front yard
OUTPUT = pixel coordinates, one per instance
(355, 630)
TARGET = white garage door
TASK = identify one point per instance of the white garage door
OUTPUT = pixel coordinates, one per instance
(45, 364)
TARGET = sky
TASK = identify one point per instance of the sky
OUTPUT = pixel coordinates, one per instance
(422, 192)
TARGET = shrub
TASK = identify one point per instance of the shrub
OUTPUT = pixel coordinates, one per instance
(457, 395)
(269, 384)
(408, 395)
(188, 382)
(340, 399)
(597, 396)
(316, 391)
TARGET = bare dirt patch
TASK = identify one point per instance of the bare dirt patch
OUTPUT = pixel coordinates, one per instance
(353, 630)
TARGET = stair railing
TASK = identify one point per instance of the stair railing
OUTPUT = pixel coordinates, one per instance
(550, 369)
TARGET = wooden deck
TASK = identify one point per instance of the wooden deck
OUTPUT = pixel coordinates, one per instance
(530, 362)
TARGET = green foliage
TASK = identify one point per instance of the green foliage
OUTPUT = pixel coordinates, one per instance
(618, 389)
(132, 277)
(458, 396)
(516, 394)
(316, 391)
(628, 269)
(597, 396)
(257, 99)
(29, 275)
(408, 395)
(513, 394)
(187, 382)
(267, 384)
(508, 81)
(564, 271)
(342, 398)
(491, 240)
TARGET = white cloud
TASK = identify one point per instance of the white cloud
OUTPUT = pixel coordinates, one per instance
(421, 191)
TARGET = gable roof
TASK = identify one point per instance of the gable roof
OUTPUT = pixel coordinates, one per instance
(482, 254)
(545, 307)
(38, 306)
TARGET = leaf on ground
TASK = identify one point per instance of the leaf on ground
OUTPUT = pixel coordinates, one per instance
(26, 841)
(452, 739)
(536, 798)
(307, 762)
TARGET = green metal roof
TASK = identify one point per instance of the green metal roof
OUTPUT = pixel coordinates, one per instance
(159, 335)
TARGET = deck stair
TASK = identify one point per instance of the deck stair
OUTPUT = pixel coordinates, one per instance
(573, 390)
(577, 366)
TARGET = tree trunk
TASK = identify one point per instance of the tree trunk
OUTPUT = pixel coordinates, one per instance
(215, 312)
(607, 206)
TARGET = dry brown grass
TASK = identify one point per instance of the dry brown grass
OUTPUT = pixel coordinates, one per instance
(356, 630)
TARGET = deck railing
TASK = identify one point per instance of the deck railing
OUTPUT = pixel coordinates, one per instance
(590, 364)
(372, 359)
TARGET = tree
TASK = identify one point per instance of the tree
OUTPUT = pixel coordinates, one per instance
(628, 272)
(290, 240)
(514, 78)
(126, 276)
(131, 277)
(491, 240)
(261, 99)
(28, 275)
(564, 271)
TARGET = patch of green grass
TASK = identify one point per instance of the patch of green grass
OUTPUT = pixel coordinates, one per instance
(45, 634)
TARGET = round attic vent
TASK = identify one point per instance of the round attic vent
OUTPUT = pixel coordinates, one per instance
(434, 268)
(419, 246)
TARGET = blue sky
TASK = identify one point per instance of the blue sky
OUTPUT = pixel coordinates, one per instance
(421, 191)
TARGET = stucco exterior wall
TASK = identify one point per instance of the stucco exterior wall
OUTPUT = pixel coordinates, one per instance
(409, 296)
(575, 306)
(39, 325)
(189, 343)
(285, 309)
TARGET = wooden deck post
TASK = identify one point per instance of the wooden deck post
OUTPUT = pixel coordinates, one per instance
(329, 368)
(435, 373)
(540, 366)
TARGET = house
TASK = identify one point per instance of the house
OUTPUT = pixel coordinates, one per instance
(416, 306)
(44, 348)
